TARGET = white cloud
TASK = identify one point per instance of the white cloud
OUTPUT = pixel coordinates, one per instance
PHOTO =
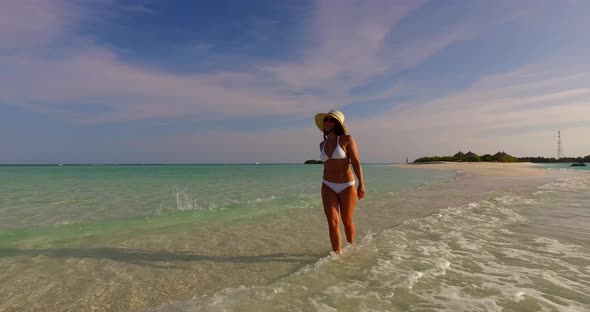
(87, 74)
(346, 39)
(485, 118)
(347, 46)
(519, 111)
(232, 147)
(29, 24)
(346, 55)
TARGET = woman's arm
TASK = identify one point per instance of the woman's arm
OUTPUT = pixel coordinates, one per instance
(356, 166)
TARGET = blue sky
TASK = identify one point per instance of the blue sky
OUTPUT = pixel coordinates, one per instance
(107, 81)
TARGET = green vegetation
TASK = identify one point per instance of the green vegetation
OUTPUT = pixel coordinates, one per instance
(470, 157)
(540, 159)
(313, 162)
(500, 157)
(436, 158)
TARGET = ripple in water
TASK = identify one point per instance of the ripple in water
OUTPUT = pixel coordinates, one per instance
(467, 258)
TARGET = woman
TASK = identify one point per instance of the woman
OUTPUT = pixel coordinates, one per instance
(338, 152)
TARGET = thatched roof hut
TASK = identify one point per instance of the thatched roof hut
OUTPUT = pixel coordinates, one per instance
(470, 154)
(459, 155)
(501, 156)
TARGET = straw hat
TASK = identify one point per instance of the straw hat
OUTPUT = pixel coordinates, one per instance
(338, 115)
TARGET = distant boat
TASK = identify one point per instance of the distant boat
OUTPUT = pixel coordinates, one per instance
(578, 165)
(60, 164)
(256, 163)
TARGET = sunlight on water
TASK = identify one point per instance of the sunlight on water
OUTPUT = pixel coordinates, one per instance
(464, 258)
(187, 239)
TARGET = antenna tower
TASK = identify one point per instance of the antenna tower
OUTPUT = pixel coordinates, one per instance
(559, 147)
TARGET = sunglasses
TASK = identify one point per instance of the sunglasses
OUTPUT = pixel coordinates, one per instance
(329, 119)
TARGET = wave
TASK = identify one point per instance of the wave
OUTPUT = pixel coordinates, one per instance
(186, 210)
(579, 182)
(185, 202)
(469, 257)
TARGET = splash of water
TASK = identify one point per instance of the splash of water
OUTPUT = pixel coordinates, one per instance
(184, 202)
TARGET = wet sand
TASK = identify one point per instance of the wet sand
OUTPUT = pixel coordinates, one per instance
(524, 169)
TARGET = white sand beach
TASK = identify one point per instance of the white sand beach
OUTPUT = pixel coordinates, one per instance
(485, 168)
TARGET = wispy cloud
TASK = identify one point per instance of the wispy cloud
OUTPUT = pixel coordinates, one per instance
(518, 111)
(345, 44)
(97, 76)
(341, 55)
(352, 42)
(485, 117)
(263, 146)
(49, 66)
(30, 24)
(139, 8)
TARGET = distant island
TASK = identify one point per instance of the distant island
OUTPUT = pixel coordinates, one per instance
(553, 160)
(313, 162)
(500, 157)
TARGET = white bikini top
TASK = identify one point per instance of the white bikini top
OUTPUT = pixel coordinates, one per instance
(339, 153)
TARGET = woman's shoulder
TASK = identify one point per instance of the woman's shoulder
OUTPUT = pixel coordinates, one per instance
(346, 138)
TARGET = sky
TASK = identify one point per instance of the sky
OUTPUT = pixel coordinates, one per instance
(106, 81)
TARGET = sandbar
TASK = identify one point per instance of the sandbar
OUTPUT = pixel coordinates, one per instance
(521, 169)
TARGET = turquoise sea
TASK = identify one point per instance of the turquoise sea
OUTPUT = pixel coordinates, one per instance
(254, 238)
(566, 166)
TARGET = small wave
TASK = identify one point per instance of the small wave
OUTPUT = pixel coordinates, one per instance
(554, 246)
(511, 199)
(262, 200)
(566, 184)
(460, 258)
(184, 202)
(65, 222)
(305, 201)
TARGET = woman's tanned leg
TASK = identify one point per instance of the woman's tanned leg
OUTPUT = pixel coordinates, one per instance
(330, 200)
(348, 199)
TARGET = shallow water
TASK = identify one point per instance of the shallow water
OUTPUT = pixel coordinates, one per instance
(427, 240)
(566, 166)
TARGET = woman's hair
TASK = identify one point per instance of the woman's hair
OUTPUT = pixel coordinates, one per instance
(337, 128)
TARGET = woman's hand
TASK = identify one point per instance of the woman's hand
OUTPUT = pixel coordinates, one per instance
(360, 192)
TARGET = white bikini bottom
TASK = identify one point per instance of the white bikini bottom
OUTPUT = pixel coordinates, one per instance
(338, 187)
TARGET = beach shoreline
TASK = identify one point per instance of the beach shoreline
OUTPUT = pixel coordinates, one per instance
(521, 169)
(414, 223)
